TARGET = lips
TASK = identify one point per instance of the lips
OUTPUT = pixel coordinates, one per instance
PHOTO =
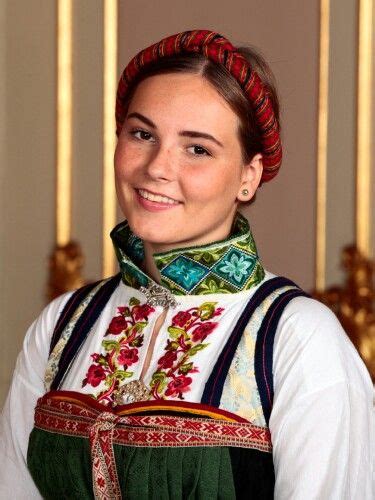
(156, 197)
(155, 202)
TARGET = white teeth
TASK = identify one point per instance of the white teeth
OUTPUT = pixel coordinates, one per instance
(156, 197)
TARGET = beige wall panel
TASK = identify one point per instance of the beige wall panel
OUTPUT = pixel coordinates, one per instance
(4, 374)
(88, 132)
(283, 217)
(28, 164)
(372, 218)
(341, 135)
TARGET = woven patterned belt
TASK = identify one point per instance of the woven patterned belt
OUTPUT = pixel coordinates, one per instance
(78, 415)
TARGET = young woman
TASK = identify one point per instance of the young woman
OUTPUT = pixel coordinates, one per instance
(194, 373)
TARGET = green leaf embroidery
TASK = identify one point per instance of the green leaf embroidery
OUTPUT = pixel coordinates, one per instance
(206, 310)
(196, 348)
(137, 342)
(185, 368)
(108, 381)
(109, 345)
(134, 302)
(159, 378)
(209, 286)
(176, 332)
(172, 346)
(122, 374)
(140, 326)
(102, 361)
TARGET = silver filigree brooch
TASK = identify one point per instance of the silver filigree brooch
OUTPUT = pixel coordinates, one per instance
(132, 392)
(157, 295)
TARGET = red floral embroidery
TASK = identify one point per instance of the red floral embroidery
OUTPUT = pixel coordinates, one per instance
(186, 335)
(142, 312)
(201, 332)
(94, 375)
(117, 325)
(120, 352)
(179, 385)
(168, 359)
(181, 319)
(128, 356)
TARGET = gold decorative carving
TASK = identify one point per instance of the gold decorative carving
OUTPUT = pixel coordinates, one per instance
(65, 269)
(354, 303)
(110, 44)
(322, 145)
(64, 123)
(364, 126)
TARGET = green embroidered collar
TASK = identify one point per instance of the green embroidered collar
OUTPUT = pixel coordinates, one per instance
(226, 266)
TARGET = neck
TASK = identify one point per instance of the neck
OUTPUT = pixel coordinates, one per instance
(148, 265)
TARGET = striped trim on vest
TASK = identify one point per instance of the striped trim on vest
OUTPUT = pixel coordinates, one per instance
(83, 325)
(76, 298)
(264, 345)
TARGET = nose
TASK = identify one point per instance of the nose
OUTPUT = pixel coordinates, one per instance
(161, 165)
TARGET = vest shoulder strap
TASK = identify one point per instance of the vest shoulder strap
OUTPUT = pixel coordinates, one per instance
(75, 299)
(267, 292)
(73, 326)
(263, 359)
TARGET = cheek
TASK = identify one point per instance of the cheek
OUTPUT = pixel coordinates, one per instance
(124, 163)
(211, 184)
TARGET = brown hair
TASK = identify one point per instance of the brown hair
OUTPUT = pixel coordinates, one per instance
(226, 85)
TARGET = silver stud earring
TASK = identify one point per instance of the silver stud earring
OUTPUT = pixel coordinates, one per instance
(245, 192)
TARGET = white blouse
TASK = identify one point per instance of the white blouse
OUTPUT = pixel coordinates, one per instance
(322, 421)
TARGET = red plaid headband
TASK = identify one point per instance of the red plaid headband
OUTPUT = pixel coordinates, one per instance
(218, 49)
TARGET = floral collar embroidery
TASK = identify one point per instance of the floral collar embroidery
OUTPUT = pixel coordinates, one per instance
(226, 266)
(187, 334)
(112, 367)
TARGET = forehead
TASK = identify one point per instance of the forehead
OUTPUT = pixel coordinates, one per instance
(182, 97)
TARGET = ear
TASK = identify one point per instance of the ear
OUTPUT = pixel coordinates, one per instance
(251, 176)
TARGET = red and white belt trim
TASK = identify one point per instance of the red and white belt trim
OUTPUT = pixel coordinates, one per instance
(104, 427)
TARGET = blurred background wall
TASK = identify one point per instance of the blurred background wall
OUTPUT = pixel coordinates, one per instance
(284, 215)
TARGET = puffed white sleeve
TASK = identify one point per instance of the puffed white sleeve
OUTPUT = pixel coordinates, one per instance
(322, 421)
(17, 417)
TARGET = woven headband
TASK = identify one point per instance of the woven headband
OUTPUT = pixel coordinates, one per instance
(218, 49)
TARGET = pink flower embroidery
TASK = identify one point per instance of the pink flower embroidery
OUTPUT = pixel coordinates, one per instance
(168, 359)
(181, 319)
(128, 356)
(186, 335)
(201, 332)
(178, 386)
(94, 376)
(142, 312)
(117, 325)
(120, 351)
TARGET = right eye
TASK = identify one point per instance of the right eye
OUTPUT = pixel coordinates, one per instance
(142, 135)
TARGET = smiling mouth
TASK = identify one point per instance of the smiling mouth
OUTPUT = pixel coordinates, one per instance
(156, 198)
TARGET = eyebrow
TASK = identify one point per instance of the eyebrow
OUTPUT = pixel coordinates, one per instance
(182, 133)
(142, 118)
(203, 135)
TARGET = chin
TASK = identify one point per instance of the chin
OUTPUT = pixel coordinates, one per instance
(153, 232)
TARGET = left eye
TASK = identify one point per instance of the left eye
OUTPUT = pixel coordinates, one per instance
(142, 134)
(199, 150)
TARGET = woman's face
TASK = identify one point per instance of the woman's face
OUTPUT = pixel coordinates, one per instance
(178, 163)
